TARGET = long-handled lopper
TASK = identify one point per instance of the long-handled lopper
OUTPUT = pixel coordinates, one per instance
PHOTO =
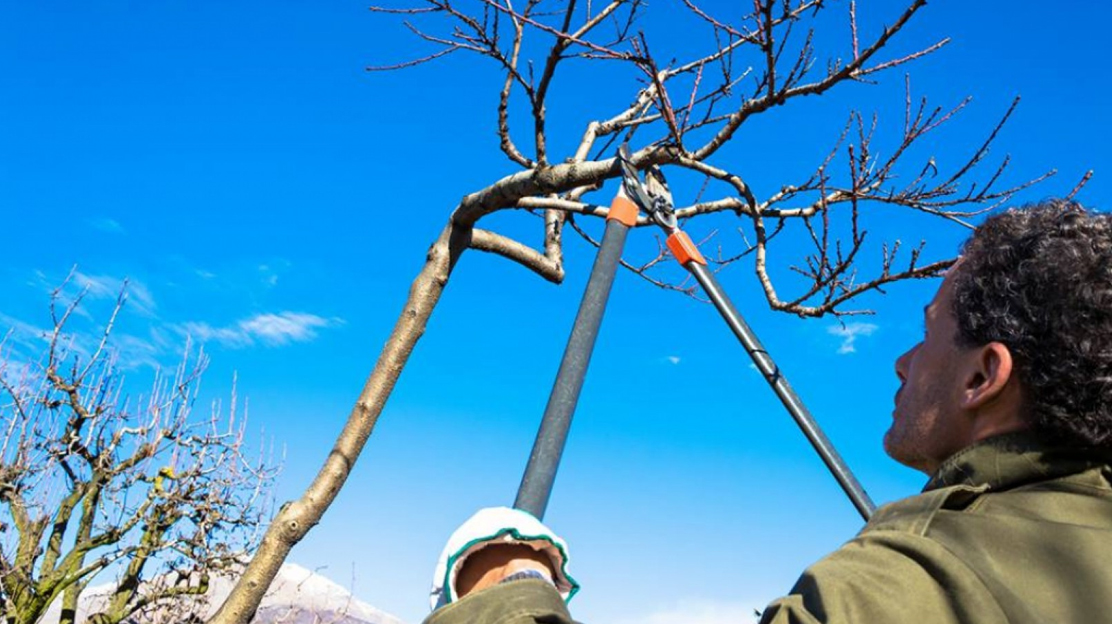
(536, 484)
(540, 473)
(658, 206)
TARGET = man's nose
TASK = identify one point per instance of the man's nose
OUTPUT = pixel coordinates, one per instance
(902, 363)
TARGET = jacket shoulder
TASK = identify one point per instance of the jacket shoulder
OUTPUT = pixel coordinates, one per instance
(915, 514)
(890, 573)
(893, 572)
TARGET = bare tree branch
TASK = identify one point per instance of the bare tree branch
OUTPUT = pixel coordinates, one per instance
(510, 249)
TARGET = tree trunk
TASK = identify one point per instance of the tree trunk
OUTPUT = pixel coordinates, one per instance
(295, 519)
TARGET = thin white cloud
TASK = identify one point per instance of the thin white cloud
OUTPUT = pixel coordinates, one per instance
(272, 330)
(104, 224)
(279, 329)
(24, 340)
(135, 352)
(203, 332)
(19, 333)
(139, 297)
(672, 359)
(849, 333)
(131, 345)
(16, 373)
(702, 612)
(98, 286)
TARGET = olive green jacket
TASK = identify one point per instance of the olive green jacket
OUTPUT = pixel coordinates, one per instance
(1008, 531)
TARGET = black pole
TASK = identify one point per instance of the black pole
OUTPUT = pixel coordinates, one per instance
(784, 390)
(536, 483)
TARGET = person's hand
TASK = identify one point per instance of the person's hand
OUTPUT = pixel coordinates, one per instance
(493, 545)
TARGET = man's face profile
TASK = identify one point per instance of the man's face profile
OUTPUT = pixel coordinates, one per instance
(928, 424)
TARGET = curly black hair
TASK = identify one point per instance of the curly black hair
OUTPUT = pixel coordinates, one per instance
(1039, 280)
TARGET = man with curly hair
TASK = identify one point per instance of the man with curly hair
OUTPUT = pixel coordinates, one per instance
(1006, 405)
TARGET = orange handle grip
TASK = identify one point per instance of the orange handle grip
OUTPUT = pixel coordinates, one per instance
(624, 210)
(681, 246)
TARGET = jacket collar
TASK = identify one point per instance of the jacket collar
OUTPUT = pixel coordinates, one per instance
(1011, 460)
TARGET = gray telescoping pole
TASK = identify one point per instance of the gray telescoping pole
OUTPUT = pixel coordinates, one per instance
(783, 390)
(536, 484)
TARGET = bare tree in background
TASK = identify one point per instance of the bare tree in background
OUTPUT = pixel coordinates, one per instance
(680, 113)
(97, 485)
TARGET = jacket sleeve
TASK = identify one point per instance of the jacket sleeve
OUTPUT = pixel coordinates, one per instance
(517, 602)
(890, 577)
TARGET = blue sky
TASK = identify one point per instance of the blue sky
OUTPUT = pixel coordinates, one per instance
(269, 198)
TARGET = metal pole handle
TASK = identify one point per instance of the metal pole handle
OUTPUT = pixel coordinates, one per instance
(783, 390)
(536, 483)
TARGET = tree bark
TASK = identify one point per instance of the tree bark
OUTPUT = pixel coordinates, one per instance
(296, 518)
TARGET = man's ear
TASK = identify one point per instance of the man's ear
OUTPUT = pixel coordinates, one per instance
(990, 372)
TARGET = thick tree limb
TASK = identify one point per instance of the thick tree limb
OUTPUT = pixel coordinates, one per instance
(488, 241)
(296, 518)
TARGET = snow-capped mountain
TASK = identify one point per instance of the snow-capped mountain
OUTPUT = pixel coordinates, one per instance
(297, 596)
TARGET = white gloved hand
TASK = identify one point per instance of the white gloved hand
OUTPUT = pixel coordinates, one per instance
(495, 525)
